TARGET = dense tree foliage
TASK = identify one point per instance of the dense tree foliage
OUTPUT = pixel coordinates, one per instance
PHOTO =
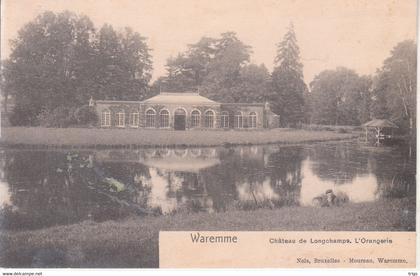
(219, 68)
(288, 86)
(123, 65)
(395, 87)
(339, 97)
(253, 84)
(189, 70)
(59, 61)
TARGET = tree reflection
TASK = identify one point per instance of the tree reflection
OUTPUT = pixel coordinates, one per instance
(338, 162)
(395, 170)
(245, 180)
(58, 187)
(284, 168)
(49, 188)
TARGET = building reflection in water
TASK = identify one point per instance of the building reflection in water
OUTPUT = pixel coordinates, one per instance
(174, 182)
(42, 188)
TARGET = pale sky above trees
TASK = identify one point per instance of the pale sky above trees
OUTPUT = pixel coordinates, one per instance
(355, 34)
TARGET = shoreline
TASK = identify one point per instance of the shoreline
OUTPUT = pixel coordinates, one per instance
(135, 239)
(23, 137)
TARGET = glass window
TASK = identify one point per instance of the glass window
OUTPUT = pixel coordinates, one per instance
(121, 119)
(252, 120)
(224, 119)
(238, 120)
(150, 118)
(134, 119)
(164, 118)
(195, 152)
(195, 118)
(180, 152)
(106, 118)
(209, 119)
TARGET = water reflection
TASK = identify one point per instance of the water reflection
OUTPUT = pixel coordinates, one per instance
(45, 188)
(361, 188)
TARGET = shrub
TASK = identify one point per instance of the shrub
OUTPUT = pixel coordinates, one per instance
(85, 115)
(59, 117)
(342, 130)
(23, 115)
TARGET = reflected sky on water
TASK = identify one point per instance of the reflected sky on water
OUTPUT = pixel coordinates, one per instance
(41, 188)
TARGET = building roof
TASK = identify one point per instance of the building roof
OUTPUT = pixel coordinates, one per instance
(117, 101)
(244, 104)
(181, 164)
(380, 123)
(179, 98)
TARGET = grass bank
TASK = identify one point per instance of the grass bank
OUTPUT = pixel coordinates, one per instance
(89, 137)
(133, 242)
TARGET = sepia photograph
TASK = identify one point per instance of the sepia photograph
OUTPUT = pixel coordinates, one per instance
(123, 120)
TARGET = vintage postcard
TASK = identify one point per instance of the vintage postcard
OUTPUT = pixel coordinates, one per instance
(208, 134)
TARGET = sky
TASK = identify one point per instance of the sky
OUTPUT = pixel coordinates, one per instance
(358, 34)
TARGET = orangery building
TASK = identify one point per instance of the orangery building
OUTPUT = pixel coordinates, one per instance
(183, 111)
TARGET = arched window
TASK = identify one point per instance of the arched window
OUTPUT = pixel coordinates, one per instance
(134, 119)
(224, 119)
(238, 123)
(252, 121)
(150, 118)
(150, 152)
(208, 152)
(195, 118)
(209, 119)
(180, 152)
(164, 118)
(195, 152)
(106, 118)
(121, 119)
(163, 152)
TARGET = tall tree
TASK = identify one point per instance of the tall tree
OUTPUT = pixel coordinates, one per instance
(7, 83)
(396, 86)
(212, 65)
(58, 61)
(180, 75)
(124, 64)
(187, 71)
(45, 58)
(253, 84)
(364, 111)
(109, 75)
(230, 56)
(287, 80)
(340, 97)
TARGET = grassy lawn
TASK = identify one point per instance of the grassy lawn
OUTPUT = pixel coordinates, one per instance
(148, 137)
(133, 242)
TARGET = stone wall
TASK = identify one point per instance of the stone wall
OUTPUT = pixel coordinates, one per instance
(264, 117)
(117, 106)
(272, 120)
(187, 108)
(245, 110)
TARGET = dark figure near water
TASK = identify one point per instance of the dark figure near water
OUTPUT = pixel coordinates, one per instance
(330, 199)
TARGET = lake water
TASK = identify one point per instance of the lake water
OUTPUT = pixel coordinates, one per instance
(42, 188)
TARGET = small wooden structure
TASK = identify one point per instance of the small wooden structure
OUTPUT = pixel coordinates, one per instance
(378, 125)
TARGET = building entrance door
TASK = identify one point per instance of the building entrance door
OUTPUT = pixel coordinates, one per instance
(180, 119)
